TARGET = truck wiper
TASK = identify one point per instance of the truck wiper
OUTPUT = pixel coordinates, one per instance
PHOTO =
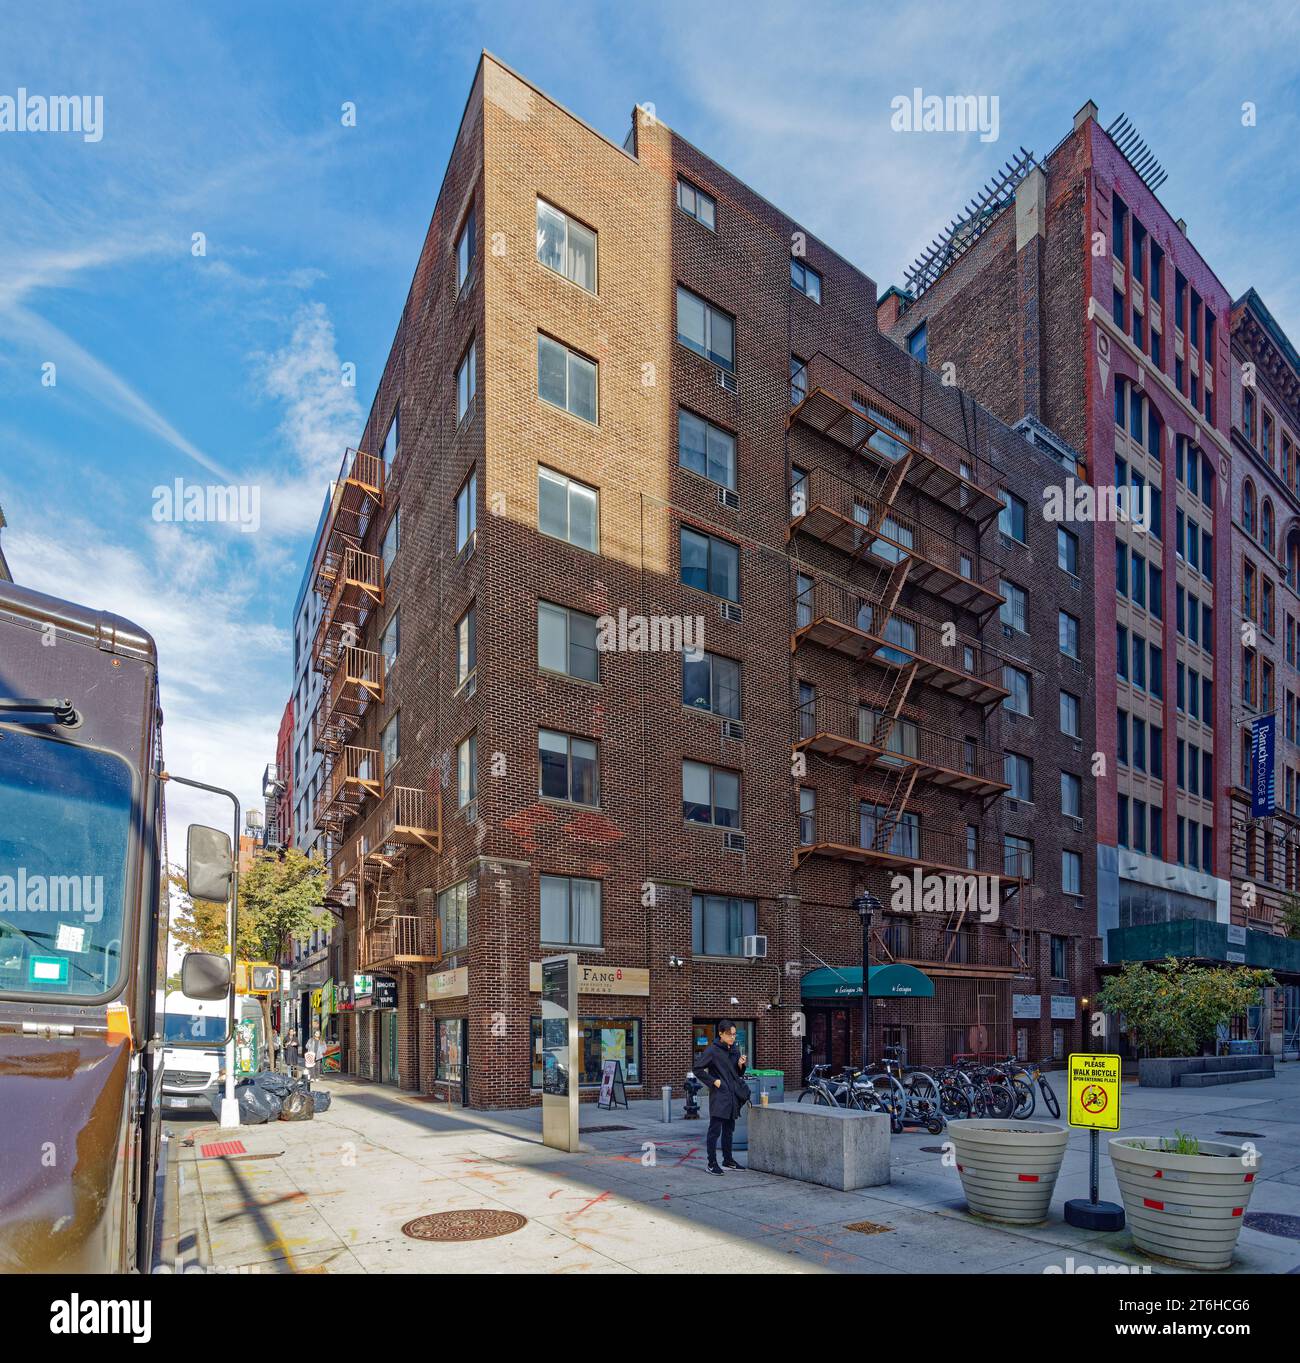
(60, 711)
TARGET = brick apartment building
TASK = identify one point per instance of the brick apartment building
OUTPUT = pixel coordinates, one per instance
(1265, 587)
(1076, 299)
(627, 394)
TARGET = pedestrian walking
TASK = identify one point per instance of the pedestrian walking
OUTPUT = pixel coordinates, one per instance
(721, 1067)
(291, 1051)
(312, 1055)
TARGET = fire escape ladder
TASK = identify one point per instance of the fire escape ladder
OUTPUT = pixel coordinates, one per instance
(891, 708)
(897, 792)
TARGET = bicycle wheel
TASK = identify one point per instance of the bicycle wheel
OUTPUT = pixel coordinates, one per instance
(1049, 1097)
(1025, 1100)
(953, 1102)
(1001, 1101)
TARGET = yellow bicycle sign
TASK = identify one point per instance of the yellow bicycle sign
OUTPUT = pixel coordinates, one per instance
(1094, 1091)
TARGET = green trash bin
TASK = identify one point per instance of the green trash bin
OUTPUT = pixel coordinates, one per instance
(769, 1082)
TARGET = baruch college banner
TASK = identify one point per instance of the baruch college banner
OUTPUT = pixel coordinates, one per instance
(1263, 793)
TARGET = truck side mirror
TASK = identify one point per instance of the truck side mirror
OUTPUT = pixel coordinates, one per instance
(205, 975)
(209, 866)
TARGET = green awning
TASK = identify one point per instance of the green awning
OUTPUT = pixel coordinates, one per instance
(887, 982)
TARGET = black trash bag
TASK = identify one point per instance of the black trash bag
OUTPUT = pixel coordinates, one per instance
(256, 1105)
(271, 1082)
(320, 1100)
(297, 1107)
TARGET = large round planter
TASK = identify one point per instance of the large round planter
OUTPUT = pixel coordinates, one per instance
(1185, 1208)
(1008, 1168)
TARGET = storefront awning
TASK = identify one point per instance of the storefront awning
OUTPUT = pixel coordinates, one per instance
(887, 982)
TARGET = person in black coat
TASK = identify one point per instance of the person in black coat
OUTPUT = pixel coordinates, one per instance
(721, 1068)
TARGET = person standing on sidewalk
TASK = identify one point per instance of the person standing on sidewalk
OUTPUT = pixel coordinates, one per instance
(312, 1056)
(722, 1069)
(291, 1050)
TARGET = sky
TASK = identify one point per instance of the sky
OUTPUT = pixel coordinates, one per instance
(220, 358)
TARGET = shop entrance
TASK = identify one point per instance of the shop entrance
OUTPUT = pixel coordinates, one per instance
(827, 1041)
(388, 1047)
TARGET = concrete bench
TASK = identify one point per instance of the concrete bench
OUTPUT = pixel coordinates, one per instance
(1202, 1071)
(1208, 1078)
(831, 1146)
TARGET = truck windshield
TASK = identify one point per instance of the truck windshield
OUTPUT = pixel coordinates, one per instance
(65, 820)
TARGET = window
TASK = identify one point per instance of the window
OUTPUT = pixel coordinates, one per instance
(467, 511)
(1011, 519)
(466, 383)
(453, 917)
(466, 646)
(918, 345)
(567, 509)
(466, 246)
(1014, 610)
(718, 922)
(1017, 856)
(566, 642)
(568, 768)
(695, 203)
(566, 246)
(1070, 715)
(706, 330)
(388, 746)
(1060, 958)
(1071, 874)
(798, 381)
(392, 541)
(710, 564)
(392, 439)
(1118, 216)
(566, 379)
(1067, 551)
(806, 279)
(1067, 633)
(711, 683)
(710, 795)
(898, 835)
(806, 710)
(807, 816)
(706, 449)
(1017, 772)
(570, 911)
(1071, 795)
(1016, 680)
(390, 640)
(466, 771)
(1121, 652)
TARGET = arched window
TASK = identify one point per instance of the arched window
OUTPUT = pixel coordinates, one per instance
(1268, 525)
(1248, 507)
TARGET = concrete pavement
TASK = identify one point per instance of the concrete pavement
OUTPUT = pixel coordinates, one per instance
(331, 1195)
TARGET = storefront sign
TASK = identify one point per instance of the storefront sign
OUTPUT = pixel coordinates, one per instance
(600, 979)
(1094, 1091)
(1027, 1006)
(447, 984)
(385, 995)
(1064, 1006)
(363, 988)
(1236, 935)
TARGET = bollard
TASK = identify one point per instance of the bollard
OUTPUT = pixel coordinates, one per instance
(667, 1100)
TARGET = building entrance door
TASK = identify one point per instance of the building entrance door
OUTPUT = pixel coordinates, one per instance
(388, 1047)
(828, 1038)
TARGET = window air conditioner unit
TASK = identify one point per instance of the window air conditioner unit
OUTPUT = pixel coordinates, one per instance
(728, 498)
(730, 611)
(1076, 823)
(1078, 745)
(733, 842)
(726, 381)
(755, 948)
(732, 728)
(1008, 632)
(1012, 805)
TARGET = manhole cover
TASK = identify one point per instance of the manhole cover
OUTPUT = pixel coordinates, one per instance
(933, 1150)
(479, 1224)
(1274, 1223)
(592, 1130)
(1255, 1135)
(868, 1227)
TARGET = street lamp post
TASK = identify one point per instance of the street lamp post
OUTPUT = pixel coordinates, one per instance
(866, 904)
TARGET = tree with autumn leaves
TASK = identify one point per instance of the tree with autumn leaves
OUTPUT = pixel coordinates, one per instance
(1176, 1007)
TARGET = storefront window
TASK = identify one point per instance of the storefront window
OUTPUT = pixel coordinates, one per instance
(705, 1032)
(599, 1039)
(450, 1039)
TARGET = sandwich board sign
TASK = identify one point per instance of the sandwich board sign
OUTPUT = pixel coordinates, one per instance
(613, 1092)
(1094, 1092)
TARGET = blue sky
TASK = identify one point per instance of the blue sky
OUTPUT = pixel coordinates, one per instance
(225, 120)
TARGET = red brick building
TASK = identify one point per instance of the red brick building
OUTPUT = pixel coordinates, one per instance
(664, 610)
(1078, 299)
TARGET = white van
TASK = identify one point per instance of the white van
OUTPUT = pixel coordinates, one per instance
(191, 1077)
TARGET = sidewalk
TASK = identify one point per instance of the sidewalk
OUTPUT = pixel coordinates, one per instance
(331, 1195)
